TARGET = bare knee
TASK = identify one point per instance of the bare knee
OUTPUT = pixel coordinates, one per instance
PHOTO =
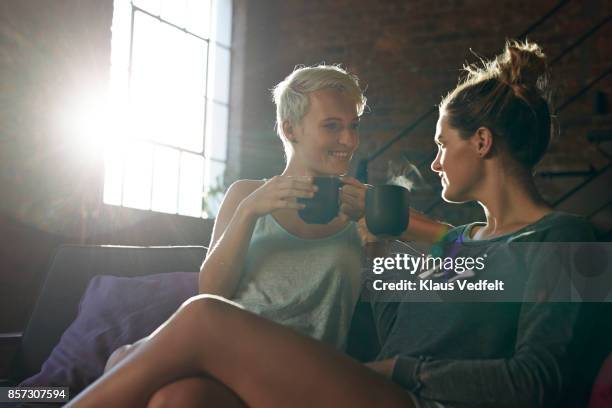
(206, 309)
(117, 355)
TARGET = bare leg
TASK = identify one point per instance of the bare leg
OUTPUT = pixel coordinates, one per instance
(121, 353)
(196, 392)
(189, 392)
(264, 363)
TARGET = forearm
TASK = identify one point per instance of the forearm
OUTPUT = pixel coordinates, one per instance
(526, 381)
(422, 228)
(384, 367)
(534, 376)
(221, 271)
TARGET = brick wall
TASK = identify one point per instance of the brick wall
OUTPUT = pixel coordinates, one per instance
(50, 192)
(408, 54)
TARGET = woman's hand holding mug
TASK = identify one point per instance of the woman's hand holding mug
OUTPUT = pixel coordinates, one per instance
(278, 193)
(352, 198)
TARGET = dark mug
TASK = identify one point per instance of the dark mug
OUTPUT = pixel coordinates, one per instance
(325, 204)
(387, 210)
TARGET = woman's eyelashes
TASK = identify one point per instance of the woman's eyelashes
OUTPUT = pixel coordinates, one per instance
(338, 126)
(332, 126)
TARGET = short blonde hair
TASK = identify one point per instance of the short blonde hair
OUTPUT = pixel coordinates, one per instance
(291, 95)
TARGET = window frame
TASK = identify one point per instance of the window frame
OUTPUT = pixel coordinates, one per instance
(211, 101)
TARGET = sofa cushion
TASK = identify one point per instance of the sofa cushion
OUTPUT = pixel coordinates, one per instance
(67, 277)
(113, 311)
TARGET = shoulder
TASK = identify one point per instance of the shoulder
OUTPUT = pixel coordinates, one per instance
(234, 195)
(242, 188)
(556, 226)
(564, 227)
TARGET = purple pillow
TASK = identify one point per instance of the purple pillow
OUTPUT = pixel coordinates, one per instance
(113, 311)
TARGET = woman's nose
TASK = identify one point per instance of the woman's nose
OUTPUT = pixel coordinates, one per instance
(349, 138)
(435, 165)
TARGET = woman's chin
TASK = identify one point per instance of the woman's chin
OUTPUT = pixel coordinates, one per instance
(337, 169)
(328, 172)
(453, 198)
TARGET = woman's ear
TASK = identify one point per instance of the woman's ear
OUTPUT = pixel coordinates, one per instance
(483, 139)
(289, 131)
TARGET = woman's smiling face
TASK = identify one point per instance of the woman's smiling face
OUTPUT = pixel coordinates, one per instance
(457, 163)
(327, 137)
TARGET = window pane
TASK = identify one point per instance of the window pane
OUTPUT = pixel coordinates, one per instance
(193, 65)
(216, 135)
(191, 184)
(167, 85)
(198, 17)
(214, 188)
(113, 174)
(181, 84)
(121, 33)
(144, 92)
(152, 6)
(165, 179)
(189, 124)
(171, 85)
(160, 94)
(221, 74)
(174, 11)
(223, 12)
(137, 182)
(118, 96)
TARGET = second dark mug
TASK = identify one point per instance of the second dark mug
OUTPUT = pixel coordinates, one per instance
(387, 210)
(325, 204)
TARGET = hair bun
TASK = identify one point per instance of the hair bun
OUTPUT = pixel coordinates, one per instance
(523, 64)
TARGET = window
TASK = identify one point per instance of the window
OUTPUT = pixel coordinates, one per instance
(170, 66)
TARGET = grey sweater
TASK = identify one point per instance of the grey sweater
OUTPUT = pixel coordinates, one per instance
(486, 354)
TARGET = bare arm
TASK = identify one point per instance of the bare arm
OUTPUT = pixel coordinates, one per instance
(424, 229)
(383, 367)
(534, 376)
(244, 203)
(220, 272)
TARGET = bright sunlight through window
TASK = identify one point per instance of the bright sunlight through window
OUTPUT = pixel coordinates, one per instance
(170, 66)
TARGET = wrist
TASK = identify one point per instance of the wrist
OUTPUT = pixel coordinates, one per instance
(389, 367)
(406, 372)
(245, 213)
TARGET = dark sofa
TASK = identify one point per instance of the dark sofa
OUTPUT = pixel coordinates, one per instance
(68, 274)
(73, 267)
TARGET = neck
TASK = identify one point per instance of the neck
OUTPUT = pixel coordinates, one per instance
(510, 203)
(295, 169)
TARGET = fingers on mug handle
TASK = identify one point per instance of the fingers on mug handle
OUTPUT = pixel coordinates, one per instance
(353, 182)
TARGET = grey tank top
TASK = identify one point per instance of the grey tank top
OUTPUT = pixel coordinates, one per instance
(309, 285)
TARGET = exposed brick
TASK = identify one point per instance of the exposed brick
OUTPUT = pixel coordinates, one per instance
(409, 55)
